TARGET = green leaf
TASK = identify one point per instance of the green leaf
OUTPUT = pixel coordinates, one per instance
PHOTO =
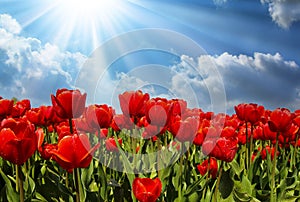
(103, 182)
(128, 167)
(241, 197)
(246, 185)
(29, 187)
(11, 194)
(236, 167)
(86, 175)
(226, 184)
(176, 177)
(193, 187)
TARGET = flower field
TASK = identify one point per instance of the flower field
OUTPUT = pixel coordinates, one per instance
(156, 150)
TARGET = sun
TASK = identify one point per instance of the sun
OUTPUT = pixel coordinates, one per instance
(87, 21)
(88, 7)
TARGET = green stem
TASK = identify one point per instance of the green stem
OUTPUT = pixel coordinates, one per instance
(71, 126)
(247, 147)
(47, 134)
(219, 180)
(17, 178)
(273, 187)
(77, 186)
(159, 161)
(67, 179)
(251, 144)
(295, 150)
(180, 177)
(206, 178)
(20, 182)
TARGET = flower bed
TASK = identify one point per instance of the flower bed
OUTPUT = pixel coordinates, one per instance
(156, 150)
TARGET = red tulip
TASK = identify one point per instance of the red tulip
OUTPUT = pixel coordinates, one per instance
(82, 125)
(222, 148)
(111, 144)
(146, 189)
(133, 103)
(46, 150)
(5, 108)
(296, 118)
(63, 129)
(174, 145)
(68, 103)
(177, 107)
(18, 140)
(280, 120)
(185, 130)
(270, 151)
(201, 133)
(157, 110)
(268, 134)
(99, 116)
(249, 112)
(228, 132)
(74, 151)
(213, 167)
(152, 131)
(121, 121)
(102, 133)
(20, 107)
(36, 116)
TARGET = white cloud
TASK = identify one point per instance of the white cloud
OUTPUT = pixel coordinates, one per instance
(219, 2)
(31, 69)
(284, 12)
(9, 24)
(211, 82)
(262, 78)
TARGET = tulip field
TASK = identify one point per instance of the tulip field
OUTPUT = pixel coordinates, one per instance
(157, 149)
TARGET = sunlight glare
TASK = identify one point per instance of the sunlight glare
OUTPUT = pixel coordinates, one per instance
(88, 7)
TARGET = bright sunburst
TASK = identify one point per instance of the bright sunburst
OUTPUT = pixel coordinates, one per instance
(88, 7)
(88, 20)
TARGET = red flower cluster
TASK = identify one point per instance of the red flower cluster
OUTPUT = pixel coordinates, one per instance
(209, 165)
(146, 189)
(218, 135)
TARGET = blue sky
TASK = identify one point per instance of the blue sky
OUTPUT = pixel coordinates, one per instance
(213, 53)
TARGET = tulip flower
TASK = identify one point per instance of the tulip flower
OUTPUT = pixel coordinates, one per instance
(280, 120)
(120, 121)
(68, 104)
(36, 116)
(5, 108)
(74, 151)
(157, 110)
(99, 116)
(249, 112)
(269, 150)
(46, 150)
(213, 167)
(222, 148)
(177, 107)
(19, 108)
(201, 133)
(111, 144)
(133, 103)
(146, 189)
(185, 130)
(18, 140)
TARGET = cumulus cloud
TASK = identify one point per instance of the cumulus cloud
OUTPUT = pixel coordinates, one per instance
(213, 83)
(29, 68)
(219, 2)
(262, 78)
(284, 12)
(9, 24)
